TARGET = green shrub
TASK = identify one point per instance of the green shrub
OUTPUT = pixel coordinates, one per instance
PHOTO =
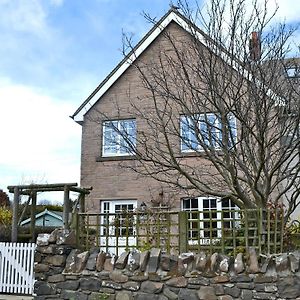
(292, 236)
(5, 216)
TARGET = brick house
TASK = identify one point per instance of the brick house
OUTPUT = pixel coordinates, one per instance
(107, 158)
(291, 73)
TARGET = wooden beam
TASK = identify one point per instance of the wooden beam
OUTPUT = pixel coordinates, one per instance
(24, 210)
(32, 216)
(50, 189)
(80, 190)
(14, 229)
(82, 203)
(66, 211)
(57, 189)
(24, 193)
(38, 186)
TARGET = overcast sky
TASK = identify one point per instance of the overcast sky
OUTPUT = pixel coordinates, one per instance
(53, 53)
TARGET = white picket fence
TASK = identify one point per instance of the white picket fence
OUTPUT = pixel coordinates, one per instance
(16, 268)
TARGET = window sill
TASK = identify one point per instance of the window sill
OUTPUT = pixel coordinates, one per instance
(115, 158)
(134, 157)
(197, 154)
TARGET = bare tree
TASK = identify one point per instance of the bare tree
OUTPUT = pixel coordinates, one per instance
(218, 116)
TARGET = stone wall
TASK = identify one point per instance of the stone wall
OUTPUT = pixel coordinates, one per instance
(63, 272)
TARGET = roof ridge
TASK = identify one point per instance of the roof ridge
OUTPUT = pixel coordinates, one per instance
(173, 15)
(127, 56)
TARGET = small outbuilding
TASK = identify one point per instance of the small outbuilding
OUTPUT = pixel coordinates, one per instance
(46, 218)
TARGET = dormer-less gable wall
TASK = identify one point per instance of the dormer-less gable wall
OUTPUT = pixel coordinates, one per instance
(109, 181)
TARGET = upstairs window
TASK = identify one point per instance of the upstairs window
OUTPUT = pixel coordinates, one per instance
(206, 130)
(119, 137)
(292, 72)
(292, 137)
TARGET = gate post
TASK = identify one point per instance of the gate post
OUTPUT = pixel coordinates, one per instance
(183, 231)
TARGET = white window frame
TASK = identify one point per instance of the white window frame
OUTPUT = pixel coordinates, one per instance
(109, 206)
(291, 137)
(292, 72)
(204, 119)
(119, 125)
(219, 207)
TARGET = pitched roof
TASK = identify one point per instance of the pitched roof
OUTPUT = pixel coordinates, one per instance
(55, 214)
(171, 16)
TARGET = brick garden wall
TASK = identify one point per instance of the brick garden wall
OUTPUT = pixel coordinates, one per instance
(63, 272)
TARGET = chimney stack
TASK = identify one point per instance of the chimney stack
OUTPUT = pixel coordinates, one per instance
(255, 46)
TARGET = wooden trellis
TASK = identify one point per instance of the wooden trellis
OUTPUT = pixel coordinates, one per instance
(32, 190)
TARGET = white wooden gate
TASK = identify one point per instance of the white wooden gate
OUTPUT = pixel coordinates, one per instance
(16, 268)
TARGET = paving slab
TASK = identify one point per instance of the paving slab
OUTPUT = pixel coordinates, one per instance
(14, 297)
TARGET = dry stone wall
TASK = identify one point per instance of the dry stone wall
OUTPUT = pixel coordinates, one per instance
(64, 272)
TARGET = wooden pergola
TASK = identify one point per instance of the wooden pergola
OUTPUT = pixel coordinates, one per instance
(32, 190)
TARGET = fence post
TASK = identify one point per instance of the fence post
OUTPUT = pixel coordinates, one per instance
(183, 231)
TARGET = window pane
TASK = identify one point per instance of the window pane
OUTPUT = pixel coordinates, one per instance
(195, 216)
(210, 130)
(132, 132)
(194, 202)
(225, 203)
(226, 214)
(184, 135)
(119, 137)
(213, 130)
(232, 134)
(195, 234)
(228, 204)
(204, 129)
(188, 135)
(206, 215)
(186, 204)
(204, 132)
(213, 203)
(106, 207)
(292, 72)
(227, 224)
(205, 203)
(110, 138)
(128, 136)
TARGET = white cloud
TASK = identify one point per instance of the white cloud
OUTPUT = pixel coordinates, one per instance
(277, 12)
(23, 15)
(288, 10)
(57, 2)
(39, 142)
